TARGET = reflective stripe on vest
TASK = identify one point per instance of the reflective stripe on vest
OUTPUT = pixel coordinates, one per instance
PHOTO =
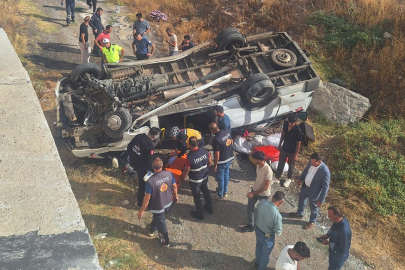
(198, 181)
(162, 210)
(198, 169)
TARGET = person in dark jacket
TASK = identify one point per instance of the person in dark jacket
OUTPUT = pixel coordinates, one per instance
(223, 157)
(196, 167)
(340, 238)
(70, 11)
(97, 26)
(140, 151)
(160, 193)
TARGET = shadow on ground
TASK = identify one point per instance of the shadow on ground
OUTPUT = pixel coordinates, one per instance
(177, 256)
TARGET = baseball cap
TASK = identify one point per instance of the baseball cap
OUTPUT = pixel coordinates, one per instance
(106, 40)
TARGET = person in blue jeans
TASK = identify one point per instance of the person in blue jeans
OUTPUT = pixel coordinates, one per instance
(223, 156)
(268, 224)
(340, 238)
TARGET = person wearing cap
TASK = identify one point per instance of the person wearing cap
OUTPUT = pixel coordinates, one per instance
(291, 255)
(70, 11)
(223, 157)
(111, 52)
(140, 152)
(289, 146)
(84, 45)
(141, 26)
(160, 194)
(268, 224)
(261, 188)
(182, 136)
(315, 180)
(224, 123)
(140, 47)
(196, 167)
(186, 43)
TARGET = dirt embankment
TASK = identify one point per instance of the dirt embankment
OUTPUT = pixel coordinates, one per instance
(214, 243)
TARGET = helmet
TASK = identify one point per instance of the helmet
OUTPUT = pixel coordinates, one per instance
(174, 131)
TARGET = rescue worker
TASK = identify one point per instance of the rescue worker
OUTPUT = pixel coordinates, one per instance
(160, 193)
(111, 52)
(223, 156)
(183, 136)
(196, 167)
(140, 151)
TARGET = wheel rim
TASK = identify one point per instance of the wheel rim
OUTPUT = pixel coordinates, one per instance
(114, 122)
(283, 57)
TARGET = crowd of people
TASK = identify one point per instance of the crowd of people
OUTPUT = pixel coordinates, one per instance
(113, 53)
(157, 189)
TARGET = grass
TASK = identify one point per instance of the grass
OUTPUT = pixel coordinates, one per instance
(366, 160)
(100, 192)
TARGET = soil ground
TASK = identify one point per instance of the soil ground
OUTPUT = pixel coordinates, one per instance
(215, 242)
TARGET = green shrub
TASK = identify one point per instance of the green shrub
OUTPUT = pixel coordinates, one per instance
(340, 33)
(368, 163)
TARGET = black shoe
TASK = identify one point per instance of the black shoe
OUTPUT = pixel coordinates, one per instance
(294, 215)
(194, 214)
(73, 20)
(209, 210)
(247, 228)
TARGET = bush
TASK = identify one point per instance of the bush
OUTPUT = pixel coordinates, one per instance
(340, 33)
(369, 165)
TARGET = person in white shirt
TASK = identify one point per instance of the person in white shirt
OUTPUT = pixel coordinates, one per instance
(291, 255)
(315, 181)
(173, 46)
(261, 188)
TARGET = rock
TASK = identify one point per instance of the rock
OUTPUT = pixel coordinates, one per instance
(184, 19)
(387, 35)
(339, 104)
(373, 72)
(100, 236)
(126, 202)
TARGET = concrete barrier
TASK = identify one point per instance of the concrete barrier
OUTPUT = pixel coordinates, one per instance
(41, 226)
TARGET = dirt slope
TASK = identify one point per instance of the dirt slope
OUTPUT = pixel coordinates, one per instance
(214, 243)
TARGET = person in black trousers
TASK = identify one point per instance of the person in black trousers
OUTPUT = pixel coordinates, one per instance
(92, 3)
(140, 151)
(196, 167)
(97, 26)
